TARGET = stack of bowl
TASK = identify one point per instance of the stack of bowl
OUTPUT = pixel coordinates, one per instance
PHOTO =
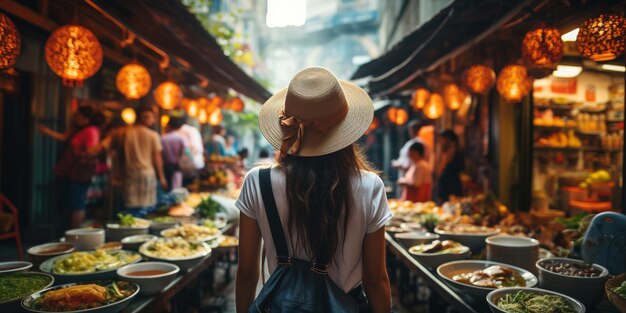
(519, 251)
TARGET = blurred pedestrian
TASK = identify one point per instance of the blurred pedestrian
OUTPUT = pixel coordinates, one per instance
(196, 147)
(217, 143)
(449, 167)
(175, 152)
(76, 166)
(230, 147)
(264, 158)
(417, 181)
(403, 162)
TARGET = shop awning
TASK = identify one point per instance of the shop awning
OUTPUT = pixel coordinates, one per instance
(172, 28)
(449, 33)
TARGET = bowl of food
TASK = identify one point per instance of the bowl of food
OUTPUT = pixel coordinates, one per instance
(192, 233)
(514, 250)
(134, 242)
(468, 235)
(111, 246)
(88, 265)
(478, 278)
(127, 226)
(15, 286)
(574, 278)
(616, 291)
(511, 300)
(85, 238)
(160, 223)
(438, 252)
(152, 277)
(93, 297)
(14, 267)
(410, 239)
(175, 250)
(40, 253)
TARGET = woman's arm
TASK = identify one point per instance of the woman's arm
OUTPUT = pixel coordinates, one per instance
(53, 134)
(248, 269)
(375, 278)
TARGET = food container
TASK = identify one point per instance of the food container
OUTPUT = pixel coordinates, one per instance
(157, 227)
(85, 238)
(40, 253)
(14, 267)
(97, 274)
(519, 251)
(111, 246)
(494, 296)
(116, 232)
(432, 260)
(134, 242)
(149, 283)
(184, 262)
(616, 299)
(474, 240)
(410, 239)
(588, 290)
(13, 304)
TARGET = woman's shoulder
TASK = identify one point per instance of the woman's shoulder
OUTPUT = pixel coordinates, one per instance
(369, 180)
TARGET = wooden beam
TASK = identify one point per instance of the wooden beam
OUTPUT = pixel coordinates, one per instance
(28, 15)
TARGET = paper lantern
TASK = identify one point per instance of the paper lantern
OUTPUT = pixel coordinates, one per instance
(420, 97)
(74, 53)
(10, 42)
(479, 78)
(542, 47)
(216, 117)
(133, 81)
(434, 108)
(602, 38)
(373, 125)
(514, 83)
(236, 104)
(453, 96)
(203, 117)
(128, 116)
(397, 116)
(192, 108)
(168, 95)
(164, 120)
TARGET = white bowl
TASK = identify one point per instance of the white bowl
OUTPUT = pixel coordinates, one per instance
(85, 238)
(116, 232)
(447, 270)
(475, 241)
(134, 242)
(432, 260)
(410, 239)
(14, 267)
(494, 296)
(151, 284)
(184, 263)
(157, 227)
(514, 250)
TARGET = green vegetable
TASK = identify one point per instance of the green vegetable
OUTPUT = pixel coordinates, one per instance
(126, 219)
(429, 221)
(13, 286)
(162, 219)
(529, 302)
(621, 290)
(116, 291)
(208, 208)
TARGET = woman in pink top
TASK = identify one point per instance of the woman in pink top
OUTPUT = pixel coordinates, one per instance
(76, 167)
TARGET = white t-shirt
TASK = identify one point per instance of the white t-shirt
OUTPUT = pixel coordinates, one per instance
(369, 213)
(194, 140)
(403, 157)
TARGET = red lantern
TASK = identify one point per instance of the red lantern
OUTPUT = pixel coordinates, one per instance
(434, 108)
(397, 116)
(420, 97)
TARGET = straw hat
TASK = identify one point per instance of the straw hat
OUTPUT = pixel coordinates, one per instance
(316, 115)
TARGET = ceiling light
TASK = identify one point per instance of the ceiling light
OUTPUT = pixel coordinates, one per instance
(567, 71)
(571, 35)
(613, 67)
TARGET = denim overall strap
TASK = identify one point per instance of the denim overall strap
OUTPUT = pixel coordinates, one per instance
(276, 227)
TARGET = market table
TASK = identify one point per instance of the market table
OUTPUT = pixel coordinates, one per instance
(460, 302)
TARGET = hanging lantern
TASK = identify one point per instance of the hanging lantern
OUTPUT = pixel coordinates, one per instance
(542, 47)
(133, 81)
(514, 83)
(168, 95)
(236, 104)
(192, 108)
(74, 53)
(479, 78)
(203, 117)
(10, 42)
(373, 126)
(164, 120)
(216, 117)
(420, 97)
(128, 116)
(453, 96)
(434, 108)
(602, 38)
(397, 116)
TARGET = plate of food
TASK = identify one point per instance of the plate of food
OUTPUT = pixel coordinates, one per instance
(469, 235)
(99, 296)
(478, 278)
(192, 233)
(88, 265)
(175, 250)
(438, 252)
(15, 286)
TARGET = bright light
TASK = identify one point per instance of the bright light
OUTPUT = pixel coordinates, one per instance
(282, 13)
(567, 71)
(571, 35)
(613, 67)
(129, 116)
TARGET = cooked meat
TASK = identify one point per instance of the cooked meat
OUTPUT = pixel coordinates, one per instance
(498, 271)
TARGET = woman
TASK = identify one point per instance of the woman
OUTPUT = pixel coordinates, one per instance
(322, 187)
(449, 167)
(76, 166)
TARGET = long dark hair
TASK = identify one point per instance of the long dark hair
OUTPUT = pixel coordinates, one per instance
(319, 190)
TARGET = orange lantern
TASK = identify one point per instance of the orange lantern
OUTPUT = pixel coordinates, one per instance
(373, 125)
(397, 116)
(542, 47)
(479, 78)
(514, 83)
(192, 107)
(453, 96)
(236, 104)
(216, 117)
(420, 97)
(128, 116)
(203, 116)
(133, 81)
(434, 108)
(168, 95)
(74, 53)
(10, 42)
(164, 120)
(602, 38)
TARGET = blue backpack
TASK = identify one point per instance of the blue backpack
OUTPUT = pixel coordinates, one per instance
(298, 285)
